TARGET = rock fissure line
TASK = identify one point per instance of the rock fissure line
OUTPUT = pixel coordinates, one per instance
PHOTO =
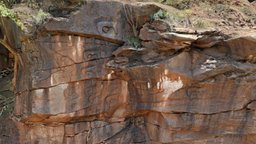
(115, 41)
(121, 72)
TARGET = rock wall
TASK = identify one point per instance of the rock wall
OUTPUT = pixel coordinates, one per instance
(81, 82)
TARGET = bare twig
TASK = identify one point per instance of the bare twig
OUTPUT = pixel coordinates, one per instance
(132, 20)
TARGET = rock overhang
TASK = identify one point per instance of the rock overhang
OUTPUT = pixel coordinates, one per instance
(104, 20)
(176, 90)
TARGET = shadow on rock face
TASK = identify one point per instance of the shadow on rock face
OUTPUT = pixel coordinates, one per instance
(9, 132)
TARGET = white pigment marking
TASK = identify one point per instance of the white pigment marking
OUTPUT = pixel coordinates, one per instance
(79, 38)
(209, 64)
(51, 80)
(149, 86)
(158, 85)
(209, 61)
(59, 44)
(39, 92)
(169, 86)
(109, 75)
(166, 71)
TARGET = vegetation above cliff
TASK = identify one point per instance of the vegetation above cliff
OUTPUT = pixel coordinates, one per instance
(210, 13)
(6, 12)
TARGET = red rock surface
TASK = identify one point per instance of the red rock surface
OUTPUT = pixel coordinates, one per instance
(81, 85)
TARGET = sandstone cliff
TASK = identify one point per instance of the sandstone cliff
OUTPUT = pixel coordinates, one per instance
(133, 72)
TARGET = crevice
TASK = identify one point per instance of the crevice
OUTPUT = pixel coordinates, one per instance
(111, 40)
(247, 104)
(74, 63)
(221, 112)
(139, 64)
(69, 82)
(116, 134)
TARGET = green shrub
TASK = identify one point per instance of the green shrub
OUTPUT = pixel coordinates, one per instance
(200, 23)
(181, 15)
(6, 105)
(33, 4)
(221, 8)
(182, 4)
(5, 110)
(248, 12)
(161, 14)
(6, 12)
(134, 41)
(8, 3)
(40, 17)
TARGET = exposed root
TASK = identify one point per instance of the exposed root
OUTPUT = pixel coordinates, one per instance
(17, 59)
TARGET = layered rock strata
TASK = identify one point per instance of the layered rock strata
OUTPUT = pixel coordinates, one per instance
(81, 82)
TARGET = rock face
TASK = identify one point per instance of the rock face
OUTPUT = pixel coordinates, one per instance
(80, 83)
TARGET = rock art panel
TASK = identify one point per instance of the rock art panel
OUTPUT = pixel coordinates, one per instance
(83, 83)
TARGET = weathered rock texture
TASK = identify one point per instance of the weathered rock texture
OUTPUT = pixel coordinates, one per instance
(81, 84)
